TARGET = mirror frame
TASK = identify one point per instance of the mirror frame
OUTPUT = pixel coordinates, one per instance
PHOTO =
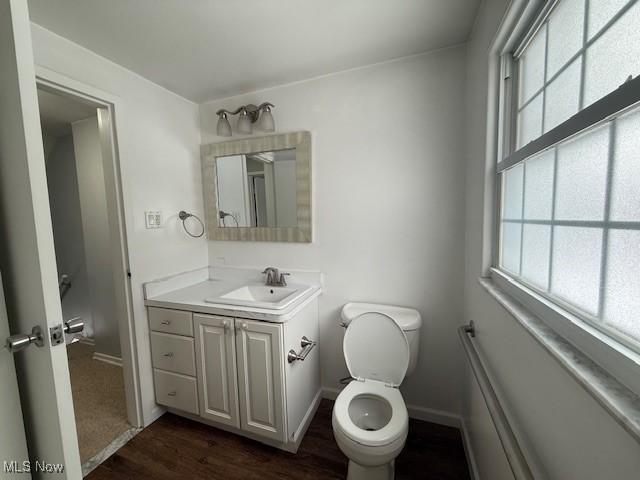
(301, 141)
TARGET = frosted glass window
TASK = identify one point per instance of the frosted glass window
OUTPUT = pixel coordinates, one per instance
(532, 67)
(513, 193)
(538, 190)
(562, 99)
(530, 121)
(565, 32)
(582, 176)
(625, 194)
(576, 266)
(536, 244)
(622, 296)
(600, 12)
(511, 238)
(613, 57)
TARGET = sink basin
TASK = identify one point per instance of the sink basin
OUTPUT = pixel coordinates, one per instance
(262, 296)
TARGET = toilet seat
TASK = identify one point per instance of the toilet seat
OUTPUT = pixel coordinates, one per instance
(397, 426)
(376, 348)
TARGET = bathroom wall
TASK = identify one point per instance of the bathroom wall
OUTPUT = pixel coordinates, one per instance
(158, 137)
(64, 200)
(388, 209)
(567, 433)
(96, 235)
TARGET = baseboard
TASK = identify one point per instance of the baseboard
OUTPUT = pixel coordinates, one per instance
(103, 357)
(156, 413)
(87, 341)
(432, 415)
(468, 451)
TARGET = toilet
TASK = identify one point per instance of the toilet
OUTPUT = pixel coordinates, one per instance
(370, 419)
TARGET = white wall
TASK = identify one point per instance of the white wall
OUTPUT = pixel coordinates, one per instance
(568, 434)
(388, 226)
(66, 218)
(158, 142)
(96, 234)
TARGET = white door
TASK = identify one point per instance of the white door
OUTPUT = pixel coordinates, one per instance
(27, 256)
(216, 367)
(13, 443)
(261, 378)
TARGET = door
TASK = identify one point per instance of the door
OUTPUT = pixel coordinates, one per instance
(13, 443)
(261, 378)
(27, 256)
(216, 368)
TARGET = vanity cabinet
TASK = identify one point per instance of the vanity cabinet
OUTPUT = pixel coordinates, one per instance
(234, 373)
(261, 377)
(216, 365)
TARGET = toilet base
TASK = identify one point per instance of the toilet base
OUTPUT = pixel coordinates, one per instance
(381, 472)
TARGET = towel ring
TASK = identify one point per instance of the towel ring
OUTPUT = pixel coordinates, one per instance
(182, 215)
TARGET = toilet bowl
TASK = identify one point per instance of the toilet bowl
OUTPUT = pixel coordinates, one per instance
(370, 419)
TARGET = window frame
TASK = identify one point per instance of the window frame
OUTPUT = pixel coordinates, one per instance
(612, 350)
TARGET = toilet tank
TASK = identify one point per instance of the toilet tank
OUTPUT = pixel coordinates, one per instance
(408, 319)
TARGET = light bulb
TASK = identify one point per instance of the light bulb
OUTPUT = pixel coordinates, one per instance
(224, 128)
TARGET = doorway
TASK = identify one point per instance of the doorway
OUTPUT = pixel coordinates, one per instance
(82, 178)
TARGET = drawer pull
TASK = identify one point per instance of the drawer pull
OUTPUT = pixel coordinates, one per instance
(166, 322)
(172, 394)
(168, 354)
(307, 345)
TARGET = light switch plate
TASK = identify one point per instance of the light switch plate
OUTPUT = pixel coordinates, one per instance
(153, 219)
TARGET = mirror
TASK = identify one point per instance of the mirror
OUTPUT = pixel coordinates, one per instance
(259, 189)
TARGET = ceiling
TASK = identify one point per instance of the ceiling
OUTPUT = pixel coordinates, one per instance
(210, 49)
(57, 113)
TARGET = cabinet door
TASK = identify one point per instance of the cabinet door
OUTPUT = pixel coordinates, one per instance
(261, 378)
(216, 369)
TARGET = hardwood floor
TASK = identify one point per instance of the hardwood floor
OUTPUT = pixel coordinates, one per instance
(176, 448)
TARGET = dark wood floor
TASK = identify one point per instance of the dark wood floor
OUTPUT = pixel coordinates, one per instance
(176, 448)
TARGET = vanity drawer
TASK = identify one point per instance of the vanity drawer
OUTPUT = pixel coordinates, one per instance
(173, 353)
(176, 391)
(166, 320)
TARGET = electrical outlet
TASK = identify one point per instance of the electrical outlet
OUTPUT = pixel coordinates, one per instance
(153, 219)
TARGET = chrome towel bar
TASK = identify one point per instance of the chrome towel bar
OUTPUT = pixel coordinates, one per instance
(307, 345)
(510, 445)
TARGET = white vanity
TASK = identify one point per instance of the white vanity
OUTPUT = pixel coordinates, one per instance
(251, 367)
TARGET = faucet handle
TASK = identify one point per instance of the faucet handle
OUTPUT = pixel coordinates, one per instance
(281, 280)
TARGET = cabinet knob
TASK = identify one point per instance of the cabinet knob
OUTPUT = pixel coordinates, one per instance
(225, 325)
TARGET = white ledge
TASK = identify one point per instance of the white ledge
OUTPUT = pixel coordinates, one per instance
(618, 400)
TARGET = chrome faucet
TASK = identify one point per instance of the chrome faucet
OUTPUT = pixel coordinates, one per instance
(274, 277)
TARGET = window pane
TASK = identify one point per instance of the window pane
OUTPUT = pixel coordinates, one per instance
(536, 241)
(576, 266)
(512, 207)
(566, 25)
(562, 98)
(600, 12)
(582, 176)
(530, 121)
(613, 57)
(622, 297)
(538, 187)
(625, 196)
(511, 238)
(532, 67)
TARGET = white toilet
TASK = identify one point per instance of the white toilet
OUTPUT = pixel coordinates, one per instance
(370, 420)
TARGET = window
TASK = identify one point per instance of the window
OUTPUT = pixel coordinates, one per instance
(569, 180)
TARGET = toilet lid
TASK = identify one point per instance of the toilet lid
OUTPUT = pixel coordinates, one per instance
(376, 348)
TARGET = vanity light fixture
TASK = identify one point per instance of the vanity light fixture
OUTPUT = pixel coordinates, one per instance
(249, 114)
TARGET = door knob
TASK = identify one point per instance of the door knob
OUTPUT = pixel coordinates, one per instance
(74, 325)
(15, 343)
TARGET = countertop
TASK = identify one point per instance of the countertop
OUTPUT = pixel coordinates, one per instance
(192, 298)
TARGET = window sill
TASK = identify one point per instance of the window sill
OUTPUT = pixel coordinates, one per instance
(618, 400)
